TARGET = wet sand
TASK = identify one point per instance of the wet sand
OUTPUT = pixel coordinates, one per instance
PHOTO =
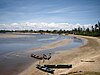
(85, 60)
(52, 45)
(14, 35)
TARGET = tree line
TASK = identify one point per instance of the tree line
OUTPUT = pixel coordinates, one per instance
(92, 31)
(36, 31)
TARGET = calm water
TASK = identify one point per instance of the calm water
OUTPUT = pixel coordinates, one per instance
(15, 52)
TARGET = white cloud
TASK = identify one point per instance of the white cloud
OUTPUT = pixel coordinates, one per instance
(40, 26)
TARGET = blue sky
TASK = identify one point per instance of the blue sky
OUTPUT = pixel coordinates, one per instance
(58, 11)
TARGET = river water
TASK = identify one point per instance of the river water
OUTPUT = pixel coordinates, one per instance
(15, 52)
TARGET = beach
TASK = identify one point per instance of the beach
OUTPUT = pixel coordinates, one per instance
(49, 37)
(85, 60)
(15, 57)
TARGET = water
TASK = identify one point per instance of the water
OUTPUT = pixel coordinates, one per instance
(14, 55)
(23, 43)
(74, 44)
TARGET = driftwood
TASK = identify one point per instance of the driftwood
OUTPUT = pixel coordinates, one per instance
(87, 61)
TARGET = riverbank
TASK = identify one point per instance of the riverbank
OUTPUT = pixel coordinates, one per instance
(85, 60)
(13, 62)
(15, 35)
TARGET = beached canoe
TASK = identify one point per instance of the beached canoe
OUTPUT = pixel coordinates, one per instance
(45, 69)
(59, 66)
(36, 56)
(46, 57)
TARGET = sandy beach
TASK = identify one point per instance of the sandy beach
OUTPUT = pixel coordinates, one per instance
(14, 35)
(85, 60)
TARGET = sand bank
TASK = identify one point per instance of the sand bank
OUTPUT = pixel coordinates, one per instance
(80, 58)
(52, 45)
(28, 52)
(13, 35)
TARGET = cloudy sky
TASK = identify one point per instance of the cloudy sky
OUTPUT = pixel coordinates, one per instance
(48, 14)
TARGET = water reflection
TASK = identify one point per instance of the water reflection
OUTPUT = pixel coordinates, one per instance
(14, 55)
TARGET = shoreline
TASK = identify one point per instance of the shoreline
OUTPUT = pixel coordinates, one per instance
(15, 35)
(85, 59)
(52, 45)
(48, 46)
(19, 34)
(75, 57)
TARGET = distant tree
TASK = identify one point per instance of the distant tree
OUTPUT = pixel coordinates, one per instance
(96, 27)
(92, 28)
(47, 31)
(75, 30)
(99, 27)
(79, 29)
(87, 30)
(55, 31)
(60, 31)
(31, 31)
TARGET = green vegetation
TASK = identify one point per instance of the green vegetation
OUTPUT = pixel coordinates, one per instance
(38, 31)
(92, 31)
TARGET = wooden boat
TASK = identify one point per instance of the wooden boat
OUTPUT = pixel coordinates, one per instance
(46, 57)
(36, 56)
(59, 66)
(45, 69)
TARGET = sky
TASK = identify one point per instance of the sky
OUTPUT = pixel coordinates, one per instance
(20, 14)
